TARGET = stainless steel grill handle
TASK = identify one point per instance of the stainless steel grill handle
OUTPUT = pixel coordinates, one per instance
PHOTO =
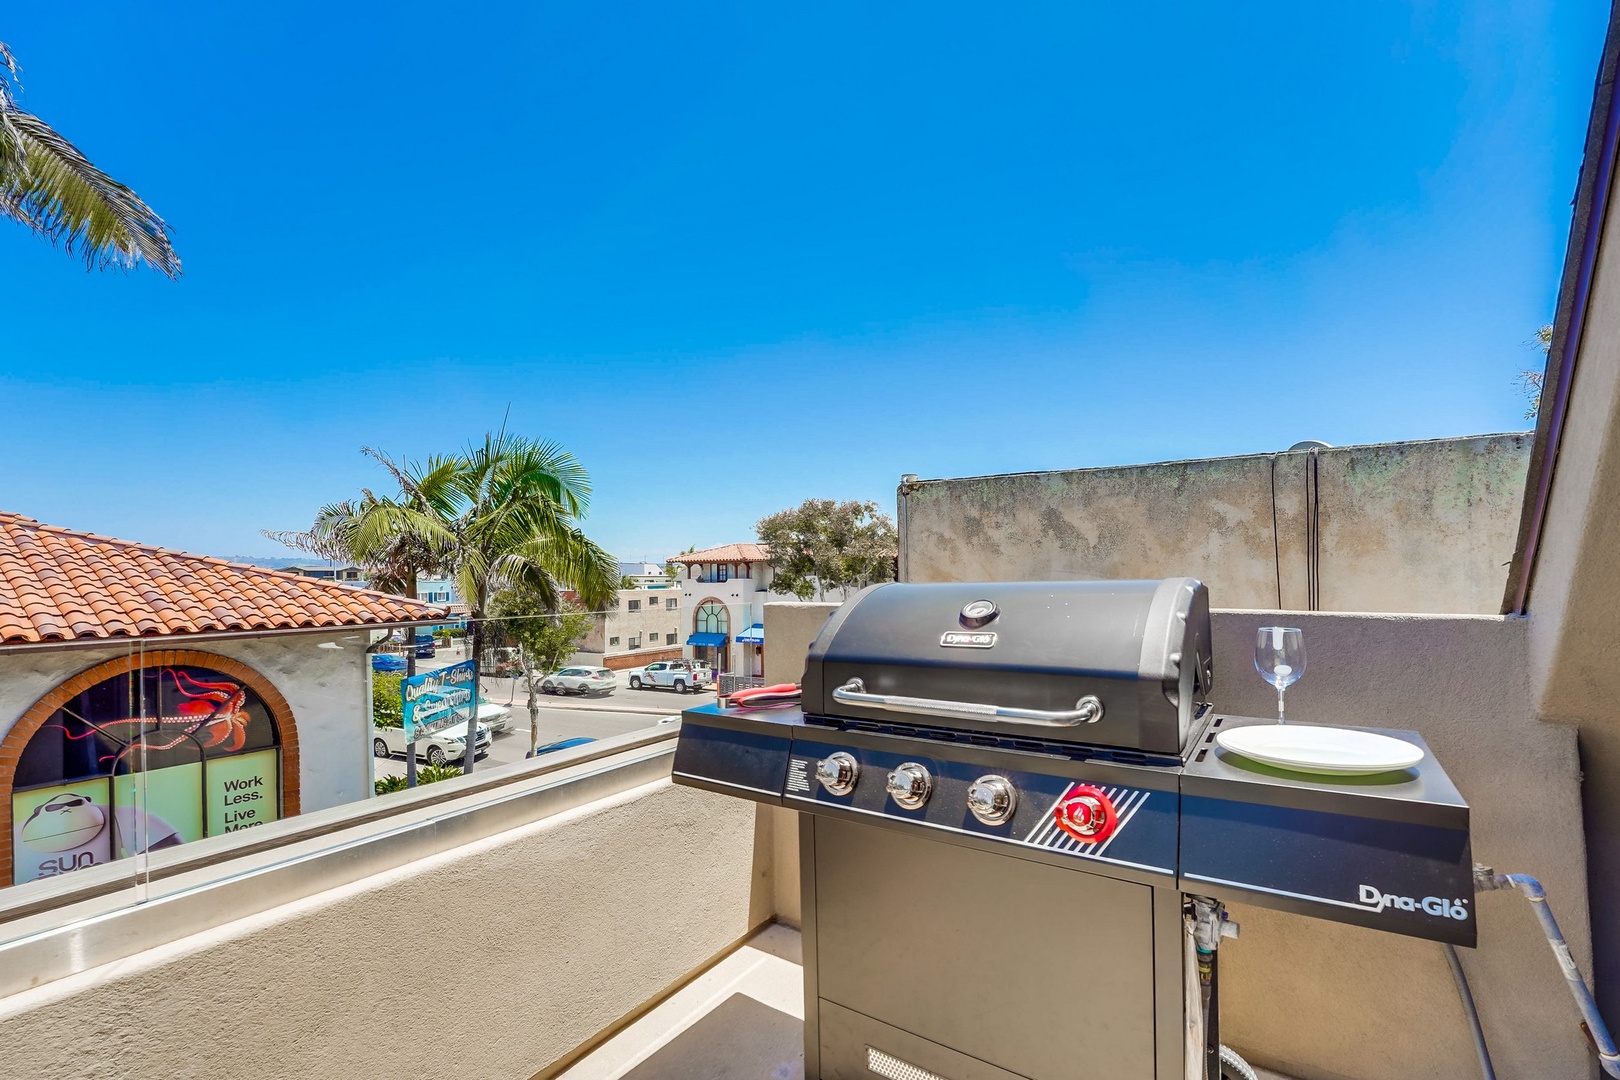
(1088, 710)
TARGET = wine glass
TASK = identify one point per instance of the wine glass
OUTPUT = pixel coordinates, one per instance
(1279, 657)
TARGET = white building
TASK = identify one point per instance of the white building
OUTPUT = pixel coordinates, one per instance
(644, 574)
(724, 591)
(644, 625)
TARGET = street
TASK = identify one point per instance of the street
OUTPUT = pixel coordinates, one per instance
(560, 718)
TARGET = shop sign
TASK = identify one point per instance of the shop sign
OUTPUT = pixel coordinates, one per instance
(434, 697)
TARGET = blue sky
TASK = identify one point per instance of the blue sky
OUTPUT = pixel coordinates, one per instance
(735, 257)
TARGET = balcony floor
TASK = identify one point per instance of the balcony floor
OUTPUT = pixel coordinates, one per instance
(740, 1020)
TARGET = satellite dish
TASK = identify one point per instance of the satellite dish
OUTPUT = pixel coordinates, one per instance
(1310, 444)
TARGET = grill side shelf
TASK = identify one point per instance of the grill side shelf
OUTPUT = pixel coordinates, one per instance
(1390, 852)
(734, 754)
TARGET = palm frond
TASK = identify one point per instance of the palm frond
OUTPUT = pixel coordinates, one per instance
(49, 186)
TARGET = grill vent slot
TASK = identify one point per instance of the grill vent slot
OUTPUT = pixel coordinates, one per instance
(892, 1068)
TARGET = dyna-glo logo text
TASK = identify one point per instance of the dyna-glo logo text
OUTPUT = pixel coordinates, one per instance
(1431, 905)
(960, 639)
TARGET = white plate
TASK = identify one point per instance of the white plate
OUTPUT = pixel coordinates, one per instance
(1338, 751)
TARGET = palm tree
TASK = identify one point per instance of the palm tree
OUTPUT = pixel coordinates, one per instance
(500, 516)
(49, 186)
(391, 568)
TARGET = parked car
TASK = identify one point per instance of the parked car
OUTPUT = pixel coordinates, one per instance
(677, 675)
(425, 646)
(494, 716)
(438, 747)
(565, 744)
(388, 663)
(581, 681)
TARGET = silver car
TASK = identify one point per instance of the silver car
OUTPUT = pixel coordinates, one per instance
(581, 681)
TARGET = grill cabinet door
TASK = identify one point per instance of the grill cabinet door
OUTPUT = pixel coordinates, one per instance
(1042, 971)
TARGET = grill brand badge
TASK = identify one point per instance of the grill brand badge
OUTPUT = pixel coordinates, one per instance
(974, 639)
(1369, 896)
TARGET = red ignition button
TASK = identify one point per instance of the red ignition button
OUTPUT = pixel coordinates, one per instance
(1086, 814)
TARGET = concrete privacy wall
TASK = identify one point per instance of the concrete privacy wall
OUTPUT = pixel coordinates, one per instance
(1322, 1001)
(326, 688)
(1413, 526)
(582, 919)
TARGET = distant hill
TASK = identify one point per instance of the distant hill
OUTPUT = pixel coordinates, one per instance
(274, 562)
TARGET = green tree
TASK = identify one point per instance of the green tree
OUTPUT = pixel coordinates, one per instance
(821, 544)
(387, 709)
(544, 639)
(501, 515)
(53, 189)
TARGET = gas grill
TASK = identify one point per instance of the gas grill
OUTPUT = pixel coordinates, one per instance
(1016, 832)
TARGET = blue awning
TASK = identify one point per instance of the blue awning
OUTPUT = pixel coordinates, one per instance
(754, 635)
(706, 639)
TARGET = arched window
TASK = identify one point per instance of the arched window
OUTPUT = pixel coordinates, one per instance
(711, 618)
(143, 760)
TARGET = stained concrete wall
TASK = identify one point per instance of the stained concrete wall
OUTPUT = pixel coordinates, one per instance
(327, 690)
(583, 919)
(1413, 526)
(1321, 1001)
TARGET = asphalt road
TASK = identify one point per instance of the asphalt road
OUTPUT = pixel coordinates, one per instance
(565, 718)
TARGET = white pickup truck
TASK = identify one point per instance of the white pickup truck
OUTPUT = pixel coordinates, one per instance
(677, 675)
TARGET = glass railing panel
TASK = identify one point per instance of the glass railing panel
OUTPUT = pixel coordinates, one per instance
(157, 746)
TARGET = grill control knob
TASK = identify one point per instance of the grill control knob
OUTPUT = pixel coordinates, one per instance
(1087, 814)
(992, 800)
(838, 773)
(910, 785)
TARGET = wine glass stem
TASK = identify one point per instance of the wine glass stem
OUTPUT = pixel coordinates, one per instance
(1281, 719)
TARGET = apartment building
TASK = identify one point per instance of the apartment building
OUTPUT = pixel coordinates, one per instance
(643, 625)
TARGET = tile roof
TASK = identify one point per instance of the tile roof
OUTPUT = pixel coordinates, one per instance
(727, 553)
(59, 585)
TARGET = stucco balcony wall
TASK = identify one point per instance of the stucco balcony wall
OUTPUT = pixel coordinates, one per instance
(499, 958)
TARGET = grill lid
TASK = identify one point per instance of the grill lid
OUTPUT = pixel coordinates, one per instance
(1106, 663)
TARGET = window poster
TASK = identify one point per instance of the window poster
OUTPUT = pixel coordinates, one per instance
(157, 809)
(242, 791)
(61, 828)
(166, 755)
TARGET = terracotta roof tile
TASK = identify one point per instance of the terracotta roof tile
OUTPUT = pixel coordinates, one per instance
(728, 553)
(59, 585)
